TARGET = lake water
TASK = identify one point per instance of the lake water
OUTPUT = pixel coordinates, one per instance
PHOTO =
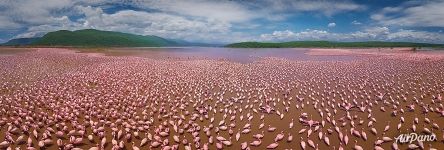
(232, 54)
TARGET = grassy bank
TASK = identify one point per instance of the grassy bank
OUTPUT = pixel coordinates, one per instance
(329, 44)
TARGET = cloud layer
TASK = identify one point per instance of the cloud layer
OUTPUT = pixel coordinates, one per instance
(219, 21)
(426, 13)
(370, 34)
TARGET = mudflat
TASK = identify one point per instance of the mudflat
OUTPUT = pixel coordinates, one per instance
(216, 98)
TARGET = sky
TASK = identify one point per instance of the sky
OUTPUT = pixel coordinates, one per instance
(227, 21)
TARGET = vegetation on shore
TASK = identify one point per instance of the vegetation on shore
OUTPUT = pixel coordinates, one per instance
(92, 38)
(329, 44)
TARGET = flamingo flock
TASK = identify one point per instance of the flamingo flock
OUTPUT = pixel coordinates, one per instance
(57, 99)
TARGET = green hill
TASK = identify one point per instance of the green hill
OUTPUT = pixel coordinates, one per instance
(20, 41)
(92, 37)
(329, 44)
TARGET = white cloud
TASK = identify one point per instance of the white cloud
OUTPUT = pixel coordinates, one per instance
(137, 22)
(369, 34)
(420, 36)
(377, 31)
(243, 11)
(288, 35)
(354, 22)
(197, 20)
(225, 11)
(374, 33)
(30, 13)
(424, 14)
(38, 12)
(40, 30)
(331, 25)
(194, 20)
(6, 23)
(327, 8)
(278, 35)
(147, 23)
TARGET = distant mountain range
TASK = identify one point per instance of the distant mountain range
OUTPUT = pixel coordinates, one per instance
(330, 44)
(21, 41)
(98, 38)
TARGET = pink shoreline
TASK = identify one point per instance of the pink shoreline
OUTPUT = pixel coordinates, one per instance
(406, 53)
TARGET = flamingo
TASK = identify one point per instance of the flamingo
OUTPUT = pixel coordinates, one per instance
(279, 136)
(244, 145)
(303, 145)
(327, 140)
(289, 137)
(357, 147)
(237, 136)
(256, 143)
(71, 97)
(273, 146)
(310, 143)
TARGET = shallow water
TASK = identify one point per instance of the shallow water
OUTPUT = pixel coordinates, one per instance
(244, 55)
(10, 51)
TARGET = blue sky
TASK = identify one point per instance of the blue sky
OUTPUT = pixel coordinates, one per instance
(219, 21)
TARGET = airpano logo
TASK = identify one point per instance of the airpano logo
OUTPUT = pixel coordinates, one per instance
(412, 137)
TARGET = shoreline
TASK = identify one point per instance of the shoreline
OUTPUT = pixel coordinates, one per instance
(166, 47)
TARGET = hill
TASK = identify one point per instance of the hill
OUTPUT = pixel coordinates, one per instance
(329, 44)
(92, 37)
(20, 41)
